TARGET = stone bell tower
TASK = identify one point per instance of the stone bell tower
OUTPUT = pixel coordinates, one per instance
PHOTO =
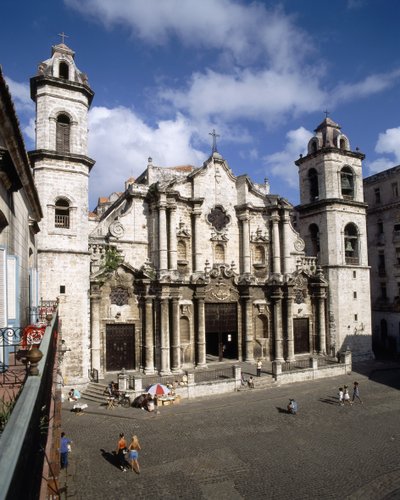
(332, 221)
(61, 169)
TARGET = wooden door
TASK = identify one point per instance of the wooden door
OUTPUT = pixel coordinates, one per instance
(120, 347)
(221, 330)
(301, 335)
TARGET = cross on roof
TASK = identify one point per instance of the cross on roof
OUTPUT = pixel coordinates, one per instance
(326, 113)
(214, 136)
(63, 36)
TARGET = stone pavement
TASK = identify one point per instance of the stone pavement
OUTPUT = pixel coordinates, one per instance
(245, 446)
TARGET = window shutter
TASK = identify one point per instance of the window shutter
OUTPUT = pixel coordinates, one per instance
(11, 288)
(3, 302)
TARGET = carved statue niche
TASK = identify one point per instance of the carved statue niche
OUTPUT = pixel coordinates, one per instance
(300, 289)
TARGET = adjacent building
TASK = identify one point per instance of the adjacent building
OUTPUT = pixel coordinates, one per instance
(382, 194)
(20, 214)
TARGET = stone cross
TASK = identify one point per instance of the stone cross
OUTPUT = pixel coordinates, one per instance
(214, 136)
(63, 36)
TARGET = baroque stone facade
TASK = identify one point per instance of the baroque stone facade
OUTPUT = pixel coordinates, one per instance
(189, 264)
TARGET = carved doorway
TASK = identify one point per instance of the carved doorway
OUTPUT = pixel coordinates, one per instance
(221, 330)
(301, 335)
(120, 347)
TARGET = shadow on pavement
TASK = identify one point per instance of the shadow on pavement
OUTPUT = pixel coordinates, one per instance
(283, 410)
(110, 457)
(331, 400)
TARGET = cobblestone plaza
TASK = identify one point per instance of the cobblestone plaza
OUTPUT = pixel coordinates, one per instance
(244, 445)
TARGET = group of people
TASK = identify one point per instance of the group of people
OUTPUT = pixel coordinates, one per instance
(344, 395)
(131, 452)
(145, 402)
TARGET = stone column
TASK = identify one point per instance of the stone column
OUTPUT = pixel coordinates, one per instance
(196, 243)
(276, 244)
(162, 238)
(165, 349)
(277, 298)
(149, 338)
(172, 240)
(290, 332)
(286, 246)
(321, 321)
(176, 337)
(95, 330)
(201, 333)
(249, 340)
(246, 243)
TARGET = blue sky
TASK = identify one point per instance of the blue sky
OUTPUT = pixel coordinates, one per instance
(167, 72)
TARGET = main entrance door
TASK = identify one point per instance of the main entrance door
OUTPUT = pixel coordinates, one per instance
(221, 330)
(301, 335)
(120, 347)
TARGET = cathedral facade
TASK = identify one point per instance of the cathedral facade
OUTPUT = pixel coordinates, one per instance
(192, 265)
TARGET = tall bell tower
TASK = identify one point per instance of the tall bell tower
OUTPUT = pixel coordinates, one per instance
(332, 222)
(61, 168)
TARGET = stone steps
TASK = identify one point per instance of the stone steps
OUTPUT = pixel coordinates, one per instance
(94, 392)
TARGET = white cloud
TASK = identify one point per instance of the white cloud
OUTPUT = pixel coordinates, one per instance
(247, 31)
(21, 96)
(388, 143)
(379, 165)
(372, 84)
(267, 96)
(272, 70)
(121, 143)
(281, 164)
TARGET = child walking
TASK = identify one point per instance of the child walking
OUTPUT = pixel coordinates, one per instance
(340, 395)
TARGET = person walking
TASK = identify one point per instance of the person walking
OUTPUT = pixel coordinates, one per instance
(65, 445)
(340, 395)
(120, 451)
(356, 392)
(259, 366)
(133, 451)
(346, 395)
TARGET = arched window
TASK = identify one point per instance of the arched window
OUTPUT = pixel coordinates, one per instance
(342, 143)
(314, 146)
(347, 183)
(219, 253)
(313, 182)
(181, 250)
(63, 134)
(61, 218)
(63, 70)
(314, 239)
(259, 255)
(351, 244)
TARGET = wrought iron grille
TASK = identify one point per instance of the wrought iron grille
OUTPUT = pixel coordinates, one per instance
(12, 370)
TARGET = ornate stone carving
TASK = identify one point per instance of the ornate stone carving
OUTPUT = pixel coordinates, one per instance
(299, 245)
(259, 236)
(119, 296)
(182, 231)
(116, 229)
(218, 218)
(222, 292)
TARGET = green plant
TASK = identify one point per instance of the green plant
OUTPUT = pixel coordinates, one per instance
(112, 259)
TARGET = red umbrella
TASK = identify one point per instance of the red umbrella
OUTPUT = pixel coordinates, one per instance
(157, 390)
